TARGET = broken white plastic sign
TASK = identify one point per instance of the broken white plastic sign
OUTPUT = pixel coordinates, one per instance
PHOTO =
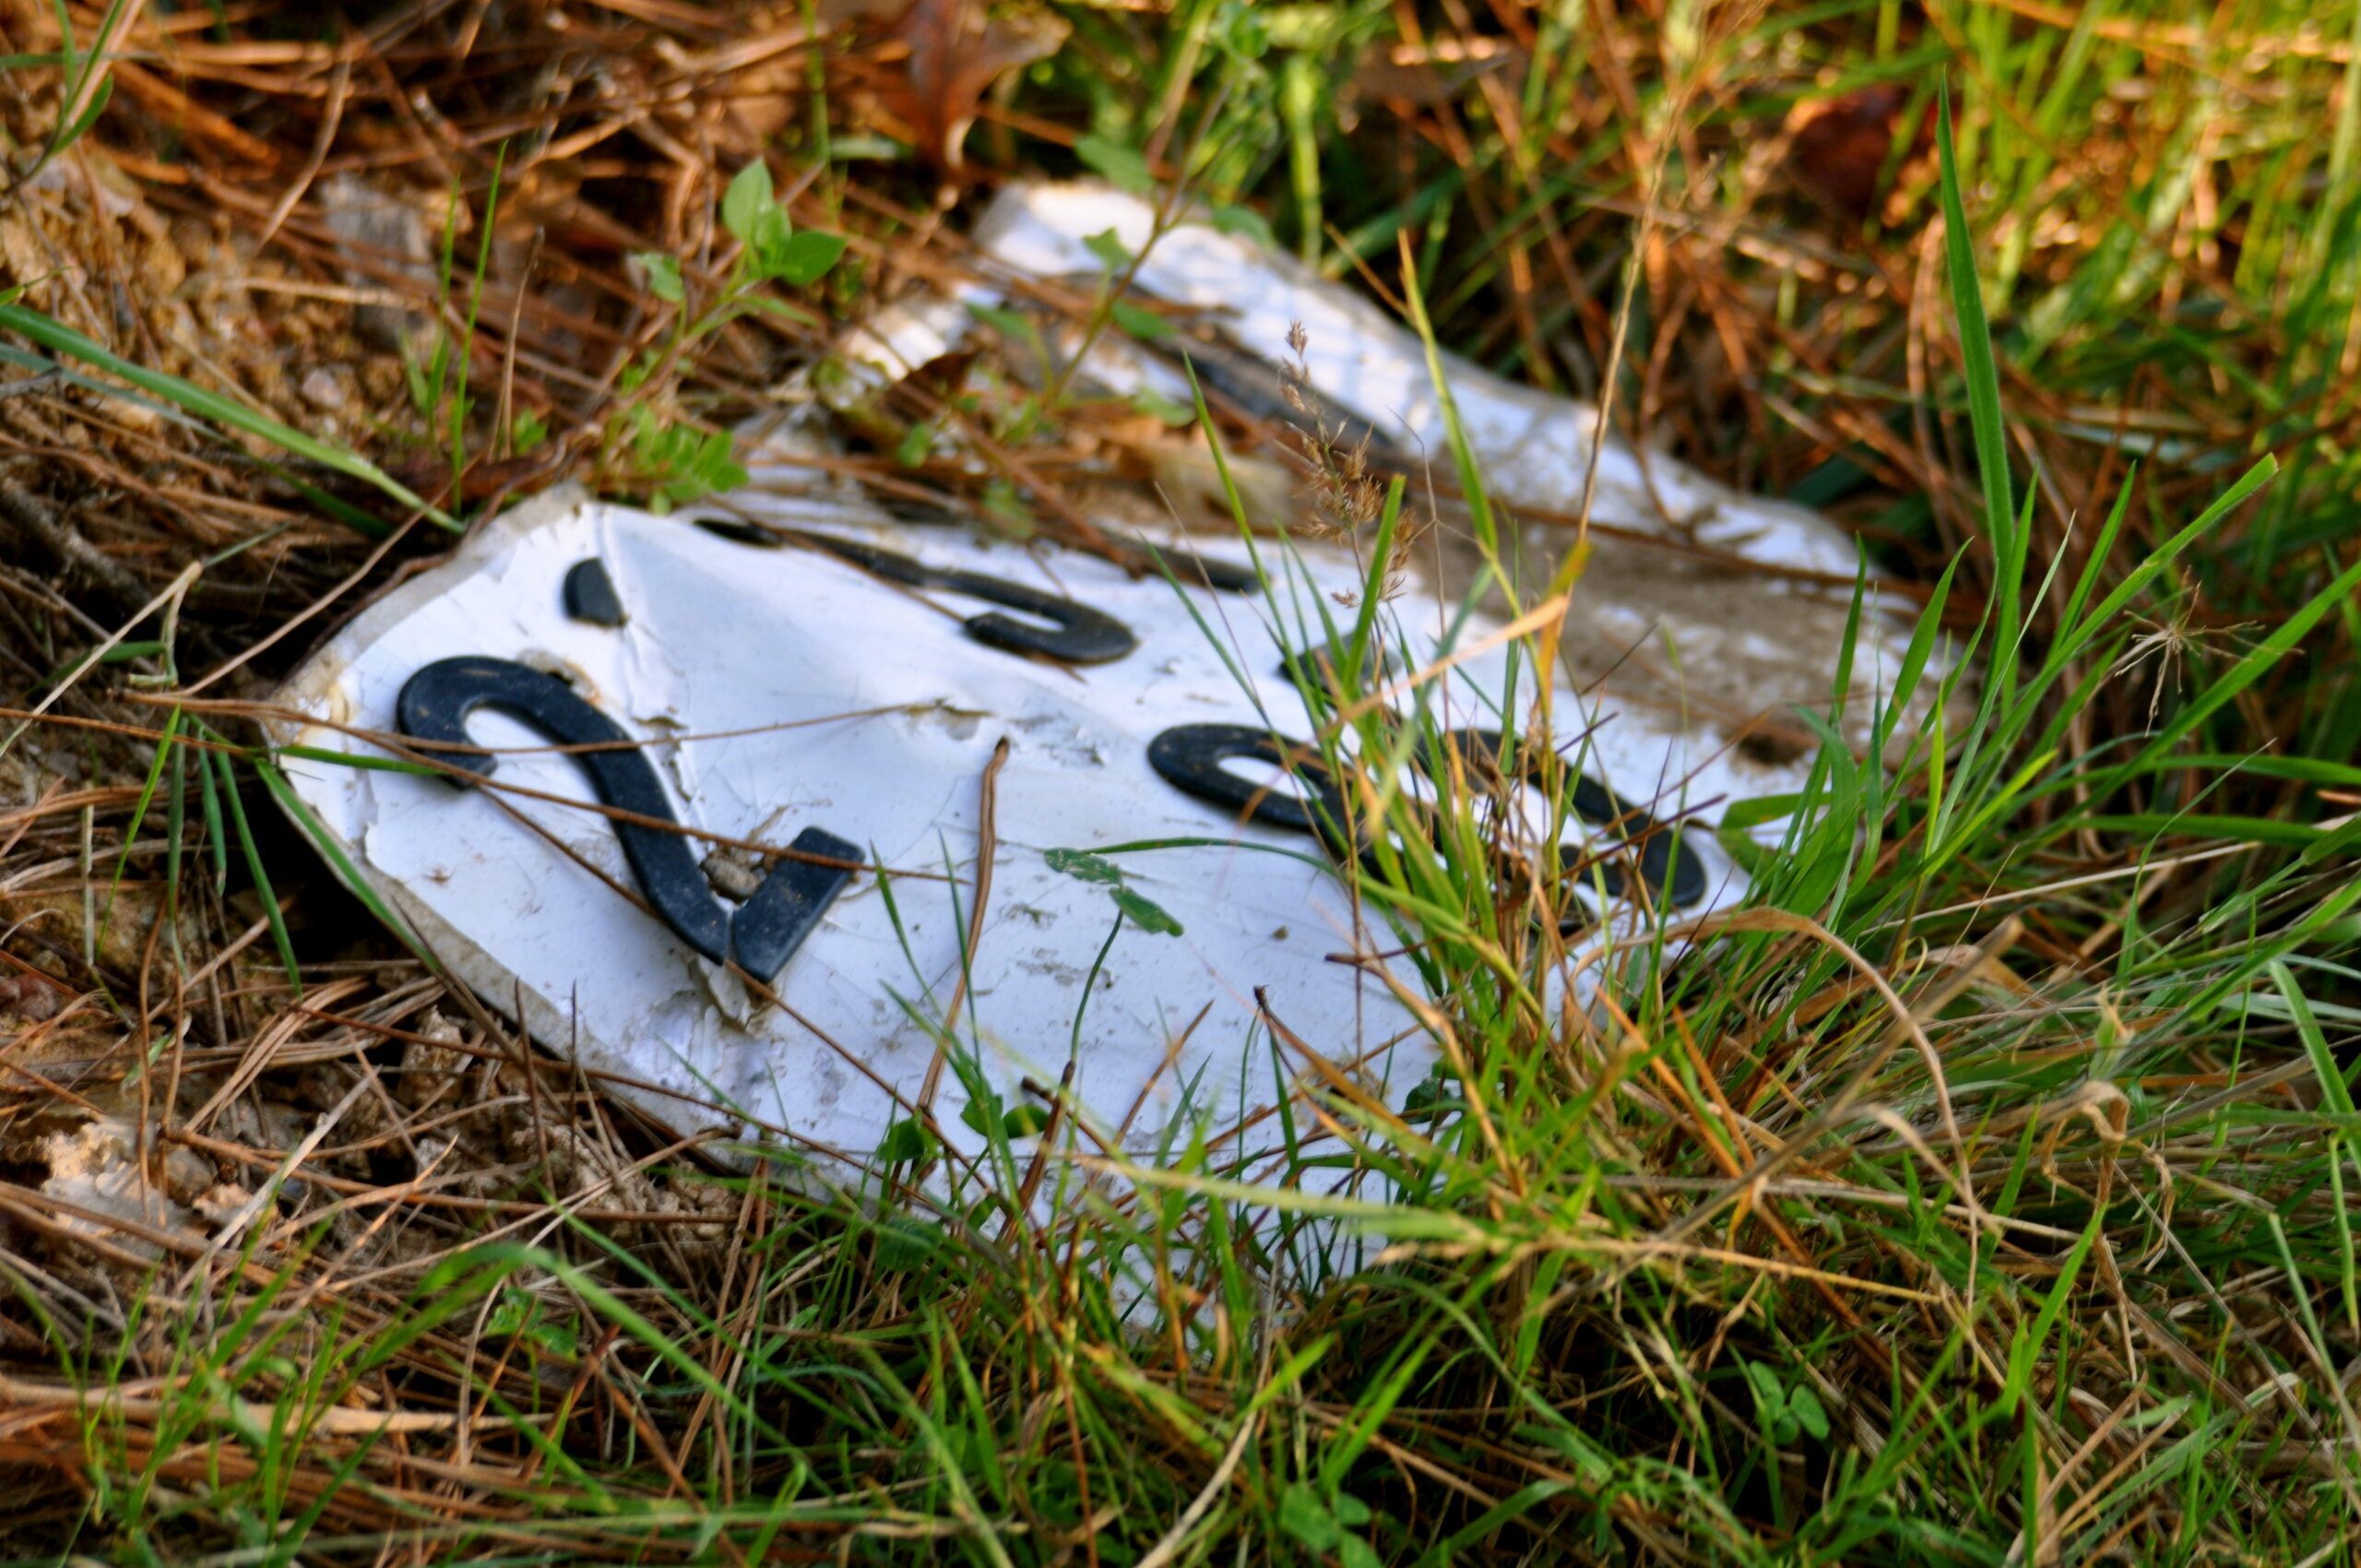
(824, 686)
(851, 703)
(1700, 606)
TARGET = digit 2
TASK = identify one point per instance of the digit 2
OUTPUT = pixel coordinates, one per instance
(1192, 757)
(764, 932)
(1075, 633)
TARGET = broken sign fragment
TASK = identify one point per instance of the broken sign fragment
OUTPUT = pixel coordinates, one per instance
(1699, 605)
(1111, 912)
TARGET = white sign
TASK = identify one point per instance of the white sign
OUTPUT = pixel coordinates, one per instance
(845, 694)
(943, 922)
(1700, 606)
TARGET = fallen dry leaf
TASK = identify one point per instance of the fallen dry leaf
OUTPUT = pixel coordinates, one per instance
(956, 53)
(1840, 146)
(33, 997)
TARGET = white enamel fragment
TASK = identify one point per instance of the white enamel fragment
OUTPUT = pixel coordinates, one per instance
(796, 692)
(1704, 608)
(782, 690)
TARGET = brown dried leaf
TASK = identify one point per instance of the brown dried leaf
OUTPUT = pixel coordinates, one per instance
(956, 53)
(1839, 145)
(33, 997)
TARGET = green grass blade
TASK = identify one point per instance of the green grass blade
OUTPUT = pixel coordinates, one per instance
(2001, 519)
(60, 338)
(346, 871)
(254, 868)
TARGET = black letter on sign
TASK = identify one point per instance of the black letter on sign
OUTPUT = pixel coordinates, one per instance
(1076, 633)
(1659, 851)
(763, 933)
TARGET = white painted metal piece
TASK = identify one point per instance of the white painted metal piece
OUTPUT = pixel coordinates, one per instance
(782, 689)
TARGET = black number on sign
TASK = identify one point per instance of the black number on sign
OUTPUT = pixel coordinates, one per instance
(765, 931)
(1192, 570)
(590, 594)
(1192, 757)
(1075, 633)
(1663, 857)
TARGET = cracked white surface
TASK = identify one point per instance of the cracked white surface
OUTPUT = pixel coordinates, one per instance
(1534, 448)
(792, 691)
(1705, 613)
(867, 711)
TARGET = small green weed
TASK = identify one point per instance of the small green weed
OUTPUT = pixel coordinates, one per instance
(648, 445)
